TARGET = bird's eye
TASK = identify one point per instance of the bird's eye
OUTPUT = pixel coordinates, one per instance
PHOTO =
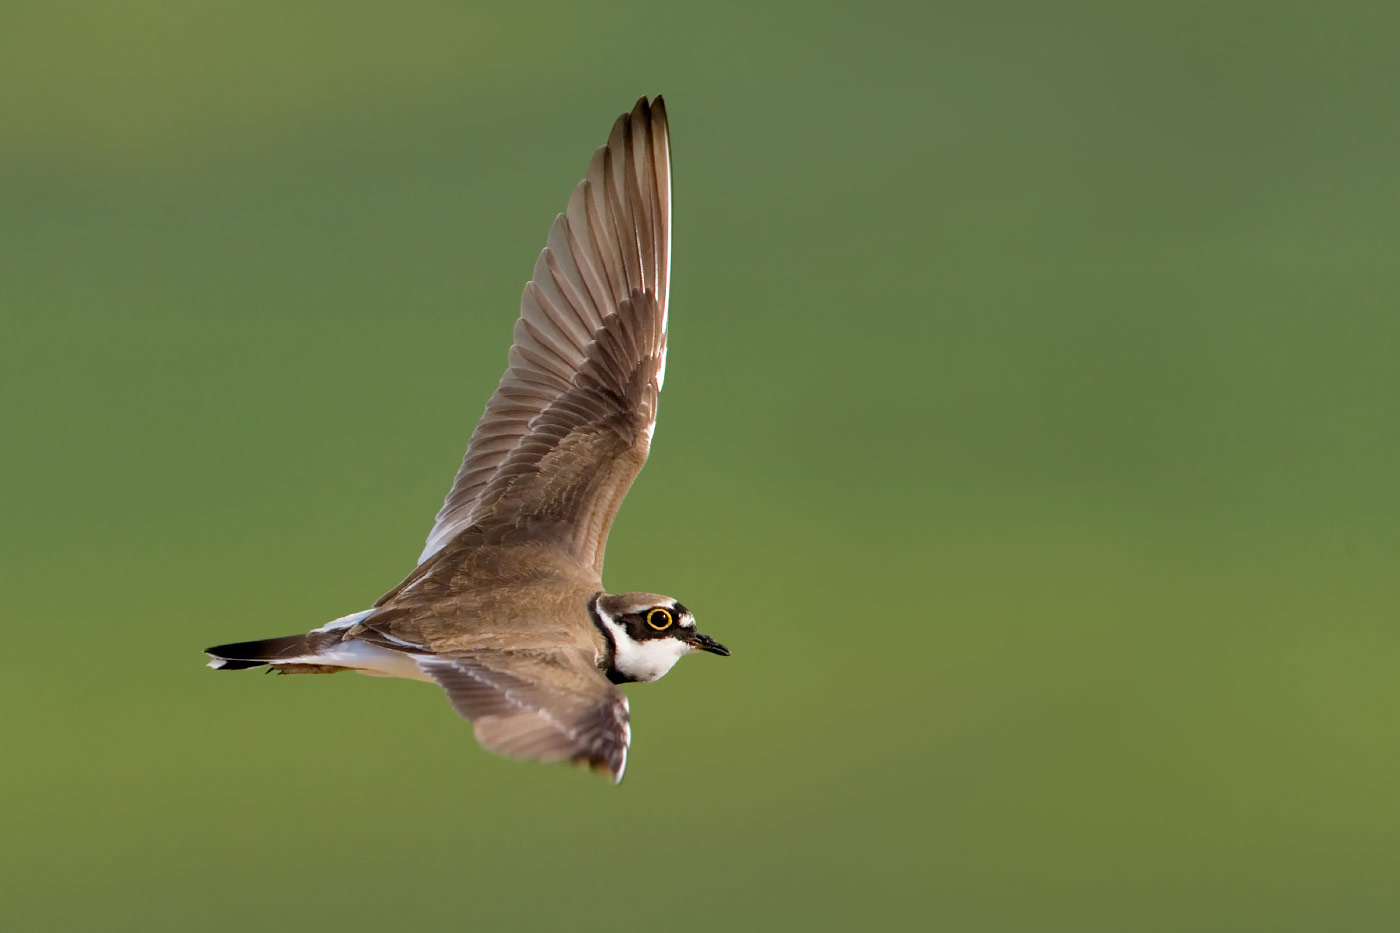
(659, 619)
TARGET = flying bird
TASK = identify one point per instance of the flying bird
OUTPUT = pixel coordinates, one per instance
(506, 609)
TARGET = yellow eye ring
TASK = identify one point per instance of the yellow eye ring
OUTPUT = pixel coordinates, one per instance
(659, 619)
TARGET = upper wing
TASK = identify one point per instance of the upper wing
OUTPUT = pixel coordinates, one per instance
(613, 242)
(539, 707)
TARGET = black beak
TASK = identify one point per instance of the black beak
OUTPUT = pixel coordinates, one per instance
(706, 643)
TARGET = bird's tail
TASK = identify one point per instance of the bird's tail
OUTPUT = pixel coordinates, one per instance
(313, 653)
(289, 654)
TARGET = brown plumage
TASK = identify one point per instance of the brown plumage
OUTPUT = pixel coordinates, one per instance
(505, 609)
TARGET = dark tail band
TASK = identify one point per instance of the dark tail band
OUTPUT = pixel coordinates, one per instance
(243, 655)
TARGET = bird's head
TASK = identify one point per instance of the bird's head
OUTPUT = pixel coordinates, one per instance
(649, 634)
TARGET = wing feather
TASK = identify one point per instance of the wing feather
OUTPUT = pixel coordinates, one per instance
(612, 242)
(563, 482)
(542, 707)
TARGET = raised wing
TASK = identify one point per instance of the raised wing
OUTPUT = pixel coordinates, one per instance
(612, 247)
(541, 708)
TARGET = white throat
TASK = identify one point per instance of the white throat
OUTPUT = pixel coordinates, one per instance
(643, 661)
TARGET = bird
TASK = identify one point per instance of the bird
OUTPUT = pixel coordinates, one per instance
(505, 609)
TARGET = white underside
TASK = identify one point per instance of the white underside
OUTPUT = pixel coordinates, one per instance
(366, 659)
(363, 657)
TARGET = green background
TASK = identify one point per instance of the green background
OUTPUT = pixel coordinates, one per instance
(1032, 436)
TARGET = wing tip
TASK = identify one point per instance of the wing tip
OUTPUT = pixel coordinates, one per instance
(610, 768)
(650, 111)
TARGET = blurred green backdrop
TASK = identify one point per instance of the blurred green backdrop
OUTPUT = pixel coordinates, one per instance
(1031, 435)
